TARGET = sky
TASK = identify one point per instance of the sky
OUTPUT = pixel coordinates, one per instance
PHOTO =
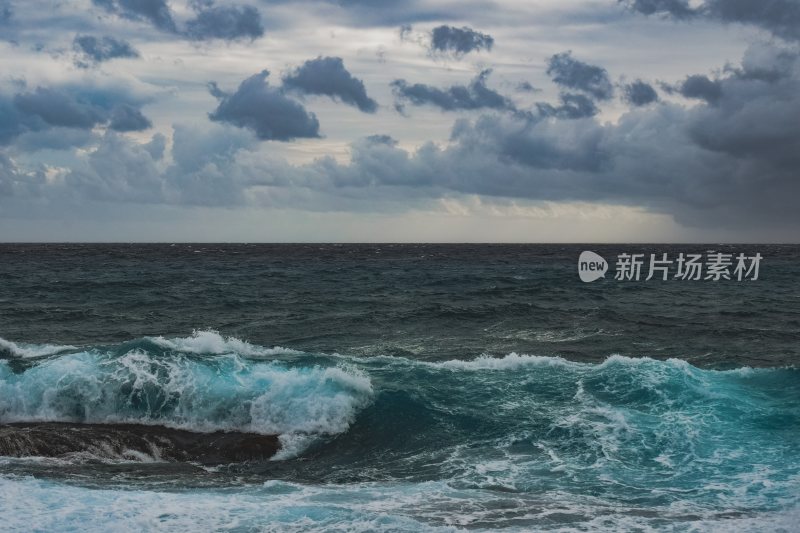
(400, 121)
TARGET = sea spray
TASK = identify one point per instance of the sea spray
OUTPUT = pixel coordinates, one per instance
(209, 393)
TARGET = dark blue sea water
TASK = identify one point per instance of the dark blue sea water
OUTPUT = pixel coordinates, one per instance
(411, 387)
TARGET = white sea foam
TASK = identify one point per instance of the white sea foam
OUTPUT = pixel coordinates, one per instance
(27, 351)
(399, 507)
(227, 393)
(212, 343)
(515, 361)
(511, 361)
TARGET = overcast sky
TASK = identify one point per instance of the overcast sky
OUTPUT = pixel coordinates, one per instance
(414, 120)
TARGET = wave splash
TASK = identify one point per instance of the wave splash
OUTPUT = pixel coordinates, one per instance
(30, 351)
(209, 342)
(227, 392)
(513, 439)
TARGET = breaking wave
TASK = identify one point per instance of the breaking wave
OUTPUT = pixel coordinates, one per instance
(520, 441)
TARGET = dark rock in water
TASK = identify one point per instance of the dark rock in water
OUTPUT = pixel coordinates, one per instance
(133, 442)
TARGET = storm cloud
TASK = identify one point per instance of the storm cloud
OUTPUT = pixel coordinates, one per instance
(156, 12)
(700, 86)
(75, 107)
(639, 93)
(702, 164)
(676, 8)
(476, 95)
(729, 162)
(710, 141)
(210, 21)
(225, 22)
(573, 74)
(780, 17)
(572, 106)
(265, 110)
(127, 118)
(30, 114)
(459, 41)
(328, 76)
(57, 108)
(92, 50)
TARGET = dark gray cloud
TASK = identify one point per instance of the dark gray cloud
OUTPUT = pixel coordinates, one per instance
(568, 72)
(476, 95)
(639, 93)
(328, 76)
(92, 50)
(265, 110)
(75, 107)
(459, 41)
(157, 12)
(58, 108)
(727, 158)
(731, 164)
(533, 147)
(210, 21)
(780, 17)
(128, 118)
(225, 22)
(572, 106)
(675, 8)
(700, 86)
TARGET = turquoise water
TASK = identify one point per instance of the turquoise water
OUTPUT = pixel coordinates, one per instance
(521, 442)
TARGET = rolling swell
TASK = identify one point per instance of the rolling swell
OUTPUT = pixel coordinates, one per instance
(527, 424)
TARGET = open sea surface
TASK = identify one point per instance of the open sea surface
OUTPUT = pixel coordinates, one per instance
(407, 387)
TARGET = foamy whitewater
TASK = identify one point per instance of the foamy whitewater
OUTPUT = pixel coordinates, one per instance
(388, 443)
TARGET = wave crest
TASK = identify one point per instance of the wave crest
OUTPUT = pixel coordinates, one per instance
(222, 393)
(210, 342)
(31, 351)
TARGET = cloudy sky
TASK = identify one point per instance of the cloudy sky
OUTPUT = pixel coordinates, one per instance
(400, 120)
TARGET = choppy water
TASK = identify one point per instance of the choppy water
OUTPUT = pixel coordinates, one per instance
(412, 388)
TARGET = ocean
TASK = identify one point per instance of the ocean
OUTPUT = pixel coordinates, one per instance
(394, 387)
